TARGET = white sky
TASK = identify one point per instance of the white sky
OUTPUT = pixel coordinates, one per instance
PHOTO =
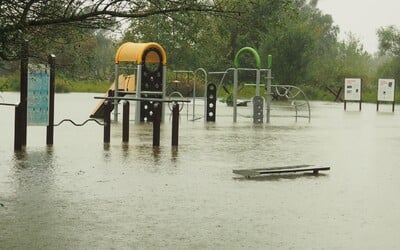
(362, 18)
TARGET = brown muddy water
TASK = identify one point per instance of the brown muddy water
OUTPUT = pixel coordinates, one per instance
(80, 195)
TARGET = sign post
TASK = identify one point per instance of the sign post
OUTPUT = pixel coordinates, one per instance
(386, 92)
(352, 91)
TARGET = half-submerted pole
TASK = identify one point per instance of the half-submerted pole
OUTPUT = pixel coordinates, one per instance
(50, 126)
(125, 122)
(17, 129)
(234, 97)
(24, 90)
(156, 124)
(175, 124)
(107, 122)
(116, 89)
(269, 94)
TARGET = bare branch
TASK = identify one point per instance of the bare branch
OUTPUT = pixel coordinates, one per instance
(20, 17)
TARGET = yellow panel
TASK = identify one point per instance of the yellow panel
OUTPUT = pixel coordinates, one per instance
(133, 52)
(130, 83)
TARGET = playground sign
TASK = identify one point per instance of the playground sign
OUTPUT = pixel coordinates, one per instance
(38, 95)
(386, 89)
(352, 88)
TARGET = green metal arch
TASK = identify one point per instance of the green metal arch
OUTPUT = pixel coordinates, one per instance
(252, 51)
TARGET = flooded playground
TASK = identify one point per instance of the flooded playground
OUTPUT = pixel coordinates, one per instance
(79, 194)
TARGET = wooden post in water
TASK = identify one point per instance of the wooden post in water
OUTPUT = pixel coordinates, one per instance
(156, 124)
(107, 121)
(175, 124)
(23, 109)
(125, 122)
(50, 126)
(18, 128)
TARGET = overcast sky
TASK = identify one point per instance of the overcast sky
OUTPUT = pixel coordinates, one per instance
(362, 18)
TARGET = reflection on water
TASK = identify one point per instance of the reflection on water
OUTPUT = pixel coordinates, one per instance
(81, 194)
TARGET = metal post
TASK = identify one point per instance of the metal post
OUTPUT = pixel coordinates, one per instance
(205, 91)
(125, 122)
(116, 86)
(164, 90)
(50, 126)
(194, 98)
(107, 121)
(138, 92)
(175, 124)
(269, 94)
(258, 75)
(156, 124)
(24, 90)
(234, 97)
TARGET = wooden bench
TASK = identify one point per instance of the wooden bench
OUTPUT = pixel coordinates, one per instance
(258, 172)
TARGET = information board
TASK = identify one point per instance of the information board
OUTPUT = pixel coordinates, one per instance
(352, 89)
(38, 95)
(386, 88)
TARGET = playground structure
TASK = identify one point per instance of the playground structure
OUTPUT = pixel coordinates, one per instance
(147, 81)
(287, 92)
(36, 106)
(194, 74)
(145, 85)
(293, 95)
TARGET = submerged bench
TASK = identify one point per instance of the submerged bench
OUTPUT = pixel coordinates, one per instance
(258, 172)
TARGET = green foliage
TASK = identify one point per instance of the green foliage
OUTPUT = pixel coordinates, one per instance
(302, 40)
(62, 85)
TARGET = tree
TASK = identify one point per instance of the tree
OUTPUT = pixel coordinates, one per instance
(30, 19)
(352, 60)
(389, 41)
(389, 48)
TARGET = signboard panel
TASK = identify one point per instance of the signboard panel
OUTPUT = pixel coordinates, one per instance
(38, 95)
(386, 88)
(352, 89)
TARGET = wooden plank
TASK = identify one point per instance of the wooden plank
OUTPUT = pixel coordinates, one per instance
(278, 170)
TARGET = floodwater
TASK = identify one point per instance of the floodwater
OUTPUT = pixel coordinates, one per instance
(79, 194)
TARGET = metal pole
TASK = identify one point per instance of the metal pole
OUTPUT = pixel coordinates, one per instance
(164, 90)
(269, 94)
(138, 94)
(258, 75)
(50, 127)
(125, 122)
(235, 86)
(205, 91)
(194, 98)
(116, 86)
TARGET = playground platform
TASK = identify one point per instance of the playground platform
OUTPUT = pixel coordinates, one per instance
(260, 172)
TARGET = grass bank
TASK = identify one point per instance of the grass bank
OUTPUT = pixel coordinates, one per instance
(63, 85)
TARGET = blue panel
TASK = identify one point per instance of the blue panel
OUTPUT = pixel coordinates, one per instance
(38, 95)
